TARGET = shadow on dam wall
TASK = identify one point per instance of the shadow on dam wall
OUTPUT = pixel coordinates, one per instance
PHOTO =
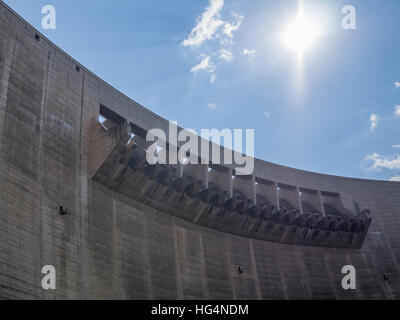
(77, 195)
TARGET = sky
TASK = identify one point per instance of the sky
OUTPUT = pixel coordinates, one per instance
(229, 64)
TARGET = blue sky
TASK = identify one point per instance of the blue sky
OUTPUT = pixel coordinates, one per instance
(223, 64)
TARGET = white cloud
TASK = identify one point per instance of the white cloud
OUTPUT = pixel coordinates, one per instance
(206, 26)
(379, 162)
(225, 55)
(229, 28)
(212, 105)
(397, 84)
(374, 121)
(249, 52)
(210, 26)
(203, 65)
(397, 110)
(396, 146)
(382, 162)
(267, 114)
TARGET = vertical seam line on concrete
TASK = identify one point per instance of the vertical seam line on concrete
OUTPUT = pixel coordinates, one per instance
(147, 260)
(203, 262)
(283, 282)
(228, 259)
(179, 292)
(43, 104)
(5, 75)
(254, 265)
(82, 285)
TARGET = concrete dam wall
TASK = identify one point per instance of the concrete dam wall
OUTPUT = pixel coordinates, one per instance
(77, 193)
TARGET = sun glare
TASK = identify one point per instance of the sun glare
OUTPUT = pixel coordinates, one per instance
(301, 33)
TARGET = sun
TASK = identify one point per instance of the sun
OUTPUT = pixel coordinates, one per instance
(301, 33)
